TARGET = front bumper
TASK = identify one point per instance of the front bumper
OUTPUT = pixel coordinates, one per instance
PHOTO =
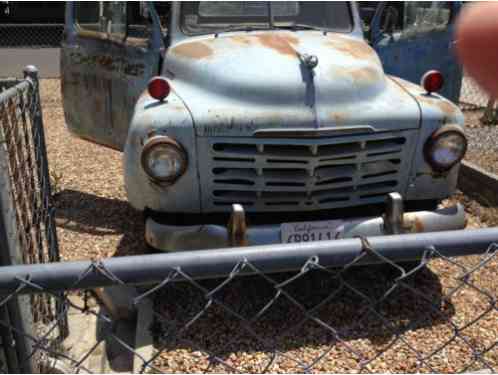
(237, 233)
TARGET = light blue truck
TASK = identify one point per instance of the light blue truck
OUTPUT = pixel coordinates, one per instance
(250, 123)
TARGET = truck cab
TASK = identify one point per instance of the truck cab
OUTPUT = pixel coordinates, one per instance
(251, 123)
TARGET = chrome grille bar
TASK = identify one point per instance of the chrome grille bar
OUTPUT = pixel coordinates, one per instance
(303, 174)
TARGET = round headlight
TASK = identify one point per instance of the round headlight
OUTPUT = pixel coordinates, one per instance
(163, 159)
(445, 148)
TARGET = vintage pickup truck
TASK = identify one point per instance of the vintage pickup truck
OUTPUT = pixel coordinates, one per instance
(249, 123)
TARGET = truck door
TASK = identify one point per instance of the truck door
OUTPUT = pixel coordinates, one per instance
(414, 37)
(106, 62)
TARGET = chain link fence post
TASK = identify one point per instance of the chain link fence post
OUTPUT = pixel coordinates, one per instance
(27, 219)
(38, 134)
(474, 98)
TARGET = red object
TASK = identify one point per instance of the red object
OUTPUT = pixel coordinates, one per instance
(158, 88)
(432, 81)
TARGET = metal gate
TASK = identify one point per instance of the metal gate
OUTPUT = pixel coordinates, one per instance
(27, 227)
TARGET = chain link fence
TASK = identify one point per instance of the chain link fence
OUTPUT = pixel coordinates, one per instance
(319, 319)
(28, 221)
(475, 98)
(339, 306)
(31, 35)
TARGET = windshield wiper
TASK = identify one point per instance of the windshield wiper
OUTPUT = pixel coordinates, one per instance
(242, 28)
(297, 27)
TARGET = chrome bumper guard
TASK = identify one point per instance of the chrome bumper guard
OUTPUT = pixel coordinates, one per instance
(237, 233)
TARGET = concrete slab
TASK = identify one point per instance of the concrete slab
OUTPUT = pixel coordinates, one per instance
(144, 345)
(90, 341)
(479, 184)
(118, 300)
(103, 344)
(81, 344)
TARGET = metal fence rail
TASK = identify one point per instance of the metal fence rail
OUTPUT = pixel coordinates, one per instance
(208, 264)
(358, 317)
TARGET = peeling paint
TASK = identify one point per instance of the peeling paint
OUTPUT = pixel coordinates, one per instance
(447, 107)
(338, 117)
(412, 223)
(193, 50)
(362, 76)
(279, 43)
(109, 63)
(443, 105)
(240, 39)
(367, 75)
(354, 48)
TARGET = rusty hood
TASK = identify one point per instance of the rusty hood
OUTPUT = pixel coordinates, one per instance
(240, 83)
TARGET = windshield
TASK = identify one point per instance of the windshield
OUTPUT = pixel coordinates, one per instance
(217, 16)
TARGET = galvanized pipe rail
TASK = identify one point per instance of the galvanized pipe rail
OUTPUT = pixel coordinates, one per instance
(13, 90)
(203, 264)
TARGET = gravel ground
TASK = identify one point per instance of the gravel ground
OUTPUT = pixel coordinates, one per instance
(95, 221)
(483, 142)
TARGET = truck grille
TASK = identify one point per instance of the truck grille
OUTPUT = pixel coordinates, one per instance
(303, 174)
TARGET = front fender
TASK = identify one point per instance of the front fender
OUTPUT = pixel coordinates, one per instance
(169, 117)
(436, 112)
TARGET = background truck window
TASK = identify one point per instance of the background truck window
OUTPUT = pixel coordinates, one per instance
(103, 17)
(423, 16)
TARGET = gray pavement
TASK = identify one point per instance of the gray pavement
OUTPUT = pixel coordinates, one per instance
(13, 60)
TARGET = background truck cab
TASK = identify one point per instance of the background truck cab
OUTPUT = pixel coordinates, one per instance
(280, 110)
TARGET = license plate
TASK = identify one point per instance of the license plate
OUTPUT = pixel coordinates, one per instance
(308, 231)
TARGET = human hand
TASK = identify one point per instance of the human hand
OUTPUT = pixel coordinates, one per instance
(477, 43)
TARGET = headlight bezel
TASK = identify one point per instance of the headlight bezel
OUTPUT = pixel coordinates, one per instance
(431, 144)
(161, 141)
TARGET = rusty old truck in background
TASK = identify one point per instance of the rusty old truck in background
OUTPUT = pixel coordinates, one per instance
(251, 123)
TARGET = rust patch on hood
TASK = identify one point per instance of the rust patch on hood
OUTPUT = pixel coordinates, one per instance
(240, 39)
(355, 48)
(367, 75)
(193, 50)
(282, 44)
(362, 76)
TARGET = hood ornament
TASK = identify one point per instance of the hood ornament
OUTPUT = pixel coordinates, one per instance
(310, 61)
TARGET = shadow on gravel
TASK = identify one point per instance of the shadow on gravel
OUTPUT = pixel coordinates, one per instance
(350, 312)
(265, 314)
(98, 216)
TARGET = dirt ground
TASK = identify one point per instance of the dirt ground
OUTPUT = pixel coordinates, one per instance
(95, 221)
